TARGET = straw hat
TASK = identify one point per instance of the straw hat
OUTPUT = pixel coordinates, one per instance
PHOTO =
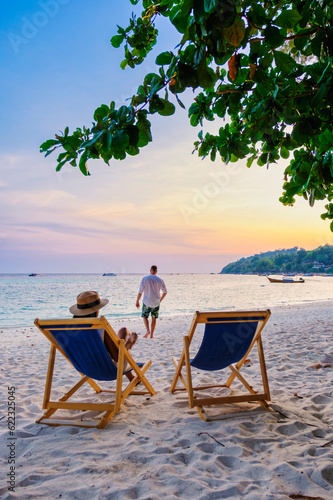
(87, 303)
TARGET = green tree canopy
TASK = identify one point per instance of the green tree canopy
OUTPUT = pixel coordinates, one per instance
(292, 259)
(264, 69)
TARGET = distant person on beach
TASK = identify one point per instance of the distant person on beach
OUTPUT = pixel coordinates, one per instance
(88, 305)
(151, 286)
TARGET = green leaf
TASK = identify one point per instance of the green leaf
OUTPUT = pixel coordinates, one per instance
(220, 107)
(168, 108)
(101, 112)
(235, 33)
(206, 76)
(83, 163)
(151, 78)
(300, 43)
(312, 197)
(120, 140)
(288, 19)
(258, 15)
(178, 19)
(155, 104)
(302, 132)
(284, 62)
(92, 141)
(62, 156)
(164, 58)
(124, 115)
(180, 102)
(284, 153)
(317, 44)
(60, 165)
(133, 134)
(49, 152)
(273, 36)
(257, 49)
(266, 62)
(144, 129)
(210, 5)
(326, 140)
(250, 161)
(263, 91)
(117, 40)
(186, 6)
(106, 144)
(262, 160)
(199, 11)
(194, 120)
(48, 144)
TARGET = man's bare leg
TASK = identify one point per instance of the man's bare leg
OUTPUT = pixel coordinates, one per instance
(146, 322)
(153, 324)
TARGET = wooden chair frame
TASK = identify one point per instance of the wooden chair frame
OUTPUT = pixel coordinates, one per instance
(184, 360)
(109, 409)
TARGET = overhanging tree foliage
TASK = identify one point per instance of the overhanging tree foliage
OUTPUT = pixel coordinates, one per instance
(263, 68)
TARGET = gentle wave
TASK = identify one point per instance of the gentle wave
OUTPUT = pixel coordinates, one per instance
(23, 298)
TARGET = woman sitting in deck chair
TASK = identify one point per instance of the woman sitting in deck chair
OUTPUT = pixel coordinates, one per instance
(88, 305)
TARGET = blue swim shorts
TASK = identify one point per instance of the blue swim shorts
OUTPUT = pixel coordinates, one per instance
(147, 310)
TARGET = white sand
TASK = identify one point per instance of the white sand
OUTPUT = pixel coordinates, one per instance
(158, 447)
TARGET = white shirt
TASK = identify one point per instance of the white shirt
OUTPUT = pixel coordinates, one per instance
(151, 286)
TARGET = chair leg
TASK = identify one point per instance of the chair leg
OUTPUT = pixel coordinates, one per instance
(49, 376)
(119, 376)
(188, 371)
(104, 420)
(180, 375)
(93, 384)
(202, 413)
(177, 374)
(66, 396)
(263, 369)
(179, 368)
(247, 385)
(129, 389)
(141, 377)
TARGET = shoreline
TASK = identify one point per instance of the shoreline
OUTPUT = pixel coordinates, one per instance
(304, 304)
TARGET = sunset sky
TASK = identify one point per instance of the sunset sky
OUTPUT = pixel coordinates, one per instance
(165, 206)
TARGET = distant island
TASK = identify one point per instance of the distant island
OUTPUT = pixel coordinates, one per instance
(292, 260)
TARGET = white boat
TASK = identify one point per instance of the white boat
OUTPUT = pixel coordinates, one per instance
(285, 279)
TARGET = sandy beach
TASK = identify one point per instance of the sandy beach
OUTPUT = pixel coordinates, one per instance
(157, 447)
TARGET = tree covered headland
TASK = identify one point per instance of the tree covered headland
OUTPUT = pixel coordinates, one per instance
(262, 68)
(293, 260)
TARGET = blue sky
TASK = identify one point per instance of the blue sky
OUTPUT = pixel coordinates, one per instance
(164, 206)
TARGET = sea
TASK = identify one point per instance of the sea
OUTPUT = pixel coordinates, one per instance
(24, 298)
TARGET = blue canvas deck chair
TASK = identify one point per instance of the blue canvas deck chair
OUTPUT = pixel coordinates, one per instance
(80, 342)
(227, 341)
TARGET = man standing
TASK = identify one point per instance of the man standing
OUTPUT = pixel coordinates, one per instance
(151, 286)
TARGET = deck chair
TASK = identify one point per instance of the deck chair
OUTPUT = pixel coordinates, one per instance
(227, 341)
(79, 341)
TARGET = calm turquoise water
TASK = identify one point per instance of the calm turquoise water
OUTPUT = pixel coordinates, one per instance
(23, 298)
